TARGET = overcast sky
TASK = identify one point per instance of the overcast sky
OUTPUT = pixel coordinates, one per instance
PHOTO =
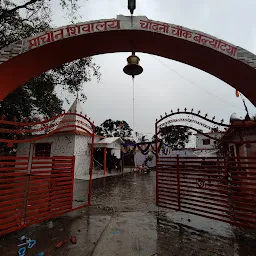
(166, 84)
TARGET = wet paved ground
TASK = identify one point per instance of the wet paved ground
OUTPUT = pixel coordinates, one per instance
(125, 221)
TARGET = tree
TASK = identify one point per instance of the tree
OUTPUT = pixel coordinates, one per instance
(175, 136)
(111, 128)
(35, 97)
(69, 76)
(38, 97)
(37, 8)
(141, 137)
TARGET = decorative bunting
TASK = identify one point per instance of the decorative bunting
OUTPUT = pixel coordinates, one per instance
(144, 148)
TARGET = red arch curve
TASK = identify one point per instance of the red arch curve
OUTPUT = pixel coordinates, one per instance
(229, 63)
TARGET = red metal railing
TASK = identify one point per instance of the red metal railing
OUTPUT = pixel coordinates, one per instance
(34, 190)
(13, 178)
(52, 179)
(223, 189)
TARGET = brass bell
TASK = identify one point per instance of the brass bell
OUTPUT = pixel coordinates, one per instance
(133, 68)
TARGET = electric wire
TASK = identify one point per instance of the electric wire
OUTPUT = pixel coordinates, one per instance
(193, 83)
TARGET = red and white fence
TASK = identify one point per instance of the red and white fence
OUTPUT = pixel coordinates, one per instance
(35, 190)
(221, 188)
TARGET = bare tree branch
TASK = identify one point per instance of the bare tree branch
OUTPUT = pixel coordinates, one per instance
(18, 7)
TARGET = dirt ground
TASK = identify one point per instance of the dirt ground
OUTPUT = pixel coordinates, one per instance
(124, 220)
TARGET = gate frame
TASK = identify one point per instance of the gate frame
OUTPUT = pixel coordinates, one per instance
(246, 213)
(44, 125)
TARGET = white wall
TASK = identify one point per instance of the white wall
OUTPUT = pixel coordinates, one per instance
(200, 138)
(61, 145)
(116, 152)
(70, 145)
(114, 145)
(23, 149)
(83, 154)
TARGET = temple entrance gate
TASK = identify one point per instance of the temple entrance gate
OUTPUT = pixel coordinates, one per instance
(222, 188)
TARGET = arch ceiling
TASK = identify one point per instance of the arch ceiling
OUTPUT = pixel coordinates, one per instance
(27, 58)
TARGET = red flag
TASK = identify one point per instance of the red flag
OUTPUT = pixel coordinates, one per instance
(237, 93)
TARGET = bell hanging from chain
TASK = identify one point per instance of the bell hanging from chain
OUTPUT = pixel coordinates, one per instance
(133, 68)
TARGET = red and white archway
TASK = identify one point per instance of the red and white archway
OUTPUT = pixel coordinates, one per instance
(27, 58)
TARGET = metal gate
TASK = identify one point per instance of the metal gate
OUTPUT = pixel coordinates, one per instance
(29, 197)
(36, 188)
(221, 188)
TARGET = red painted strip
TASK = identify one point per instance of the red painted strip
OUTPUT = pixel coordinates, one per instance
(12, 207)
(51, 176)
(12, 174)
(11, 219)
(209, 186)
(12, 201)
(192, 170)
(169, 203)
(245, 218)
(211, 213)
(215, 217)
(211, 199)
(51, 190)
(62, 158)
(13, 224)
(14, 158)
(34, 191)
(242, 190)
(14, 184)
(241, 208)
(90, 172)
(223, 192)
(226, 206)
(162, 180)
(44, 218)
(46, 215)
(51, 167)
(56, 180)
(9, 230)
(46, 121)
(202, 192)
(30, 221)
(13, 163)
(245, 200)
(12, 213)
(52, 200)
(202, 174)
(167, 195)
(49, 206)
(13, 168)
(11, 191)
(168, 207)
